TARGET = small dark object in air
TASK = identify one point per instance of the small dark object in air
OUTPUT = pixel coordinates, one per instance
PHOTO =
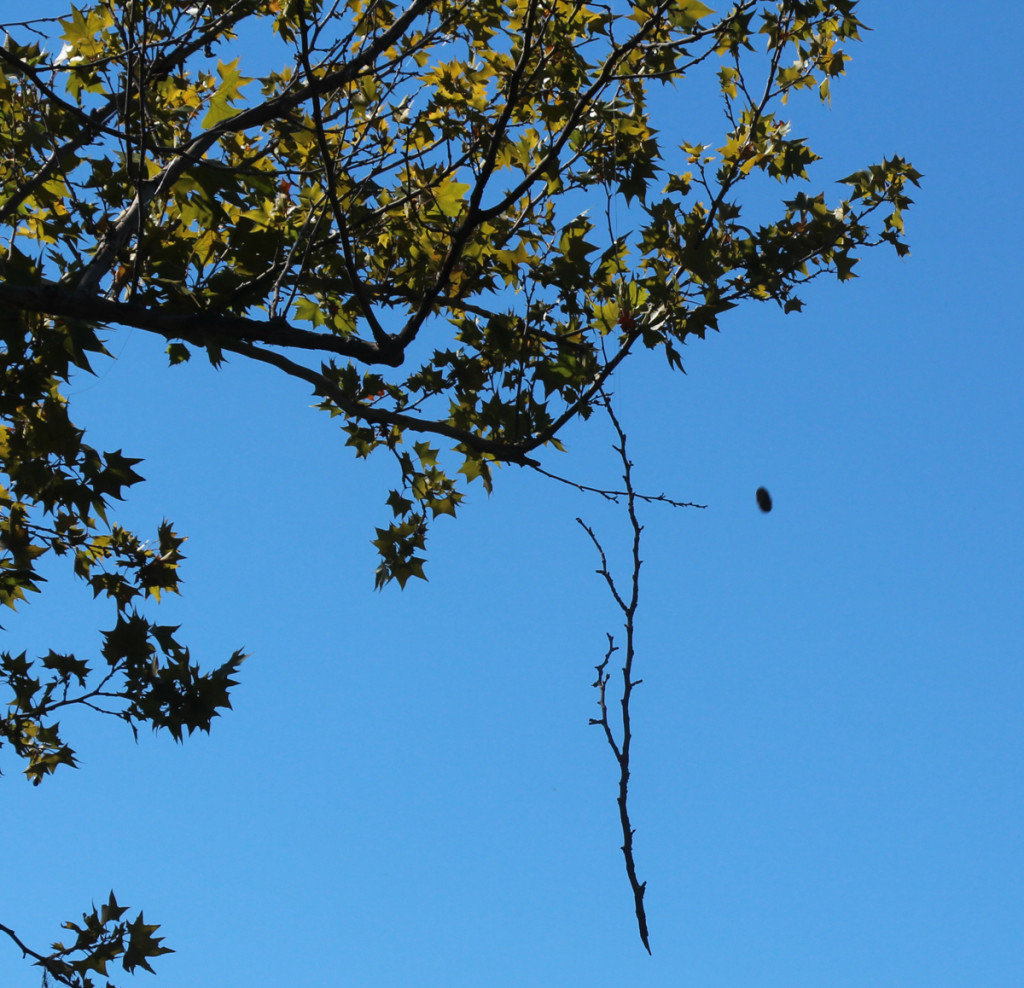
(764, 500)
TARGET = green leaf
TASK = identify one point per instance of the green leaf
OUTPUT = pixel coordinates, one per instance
(449, 197)
(688, 12)
(221, 106)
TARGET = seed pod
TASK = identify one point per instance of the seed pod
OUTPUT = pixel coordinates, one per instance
(764, 500)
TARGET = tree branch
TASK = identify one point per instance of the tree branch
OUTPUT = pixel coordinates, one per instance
(621, 748)
(199, 327)
(504, 451)
(50, 965)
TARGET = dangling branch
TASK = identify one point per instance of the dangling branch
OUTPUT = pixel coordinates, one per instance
(621, 747)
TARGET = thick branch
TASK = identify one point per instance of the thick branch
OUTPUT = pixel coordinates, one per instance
(200, 327)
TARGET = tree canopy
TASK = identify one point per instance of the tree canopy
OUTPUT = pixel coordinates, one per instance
(452, 219)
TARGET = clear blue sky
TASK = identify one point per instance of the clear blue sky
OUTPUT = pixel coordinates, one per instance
(827, 782)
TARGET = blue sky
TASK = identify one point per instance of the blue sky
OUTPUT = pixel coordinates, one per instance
(827, 752)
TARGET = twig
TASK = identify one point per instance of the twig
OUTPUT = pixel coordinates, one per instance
(610, 495)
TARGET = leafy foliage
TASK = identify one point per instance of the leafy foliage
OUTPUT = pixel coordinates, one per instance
(411, 212)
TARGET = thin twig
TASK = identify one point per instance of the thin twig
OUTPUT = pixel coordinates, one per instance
(613, 496)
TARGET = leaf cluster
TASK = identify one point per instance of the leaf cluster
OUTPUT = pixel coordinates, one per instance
(55, 495)
(102, 937)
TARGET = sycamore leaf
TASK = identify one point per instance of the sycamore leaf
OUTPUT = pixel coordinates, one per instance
(227, 93)
(142, 945)
(450, 197)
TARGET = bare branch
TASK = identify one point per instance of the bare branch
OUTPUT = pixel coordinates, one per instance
(621, 747)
